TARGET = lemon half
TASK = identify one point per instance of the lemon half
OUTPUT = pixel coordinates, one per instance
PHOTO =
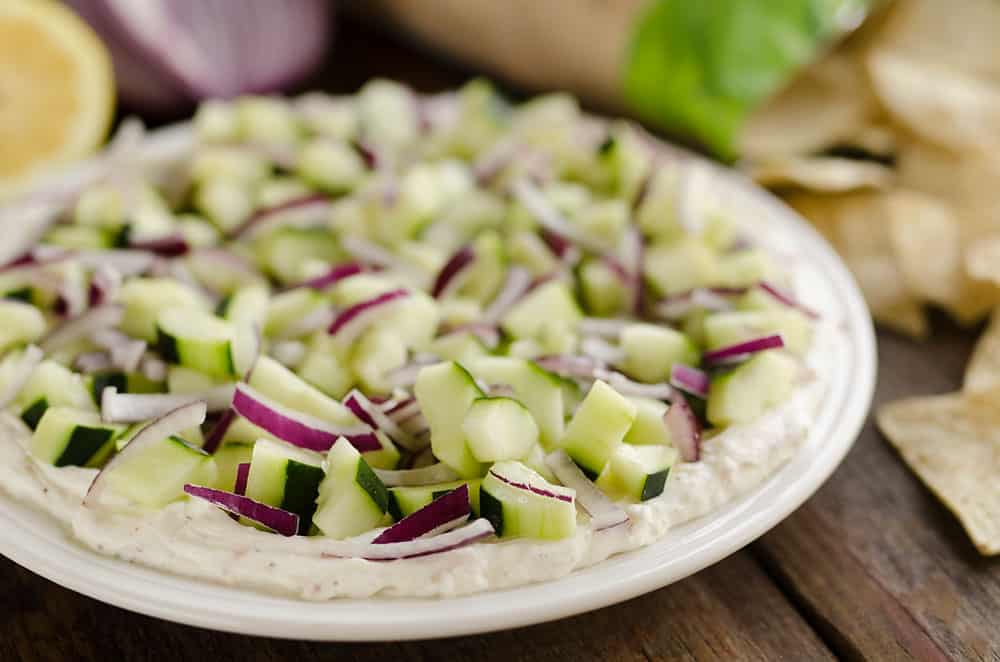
(56, 90)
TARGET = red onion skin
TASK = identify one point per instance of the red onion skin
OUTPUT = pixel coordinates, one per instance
(447, 508)
(280, 521)
(742, 349)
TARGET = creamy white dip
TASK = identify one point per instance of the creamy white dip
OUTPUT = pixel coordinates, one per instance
(193, 538)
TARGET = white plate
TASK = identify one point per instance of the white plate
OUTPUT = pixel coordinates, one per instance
(37, 542)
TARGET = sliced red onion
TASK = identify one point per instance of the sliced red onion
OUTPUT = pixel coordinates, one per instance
(604, 513)
(602, 351)
(73, 296)
(454, 272)
(603, 327)
(20, 373)
(315, 320)
(104, 285)
(307, 211)
(625, 386)
(134, 407)
(91, 362)
(126, 262)
(488, 334)
(561, 247)
(153, 368)
(172, 245)
(276, 519)
(494, 161)
(373, 254)
(126, 353)
(444, 513)
(80, 327)
(212, 260)
(741, 350)
(333, 276)
(787, 299)
(242, 477)
(297, 428)
(566, 365)
(289, 353)
(374, 159)
(171, 423)
(550, 218)
(214, 437)
(25, 222)
(632, 252)
(400, 410)
(477, 530)
(353, 321)
(690, 380)
(515, 286)
(373, 415)
(684, 428)
(716, 299)
(429, 475)
(531, 488)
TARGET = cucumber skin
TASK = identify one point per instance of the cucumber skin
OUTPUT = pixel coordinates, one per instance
(83, 445)
(371, 484)
(34, 412)
(492, 509)
(301, 489)
(653, 487)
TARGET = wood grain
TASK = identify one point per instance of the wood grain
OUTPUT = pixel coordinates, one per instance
(879, 567)
(730, 611)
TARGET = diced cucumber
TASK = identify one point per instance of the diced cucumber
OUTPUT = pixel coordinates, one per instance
(598, 427)
(330, 165)
(287, 477)
(146, 298)
(651, 351)
(216, 122)
(188, 380)
(197, 340)
(279, 190)
(156, 476)
(52, 385)
(414, 319)
(499, 429)
(458, 346)
(745, 268)
(229, 164)
(729, 328)
(286, 388)
(73, 437)
(744, 393)
(22, 324)
(550, 302)
(519, 512)
(445, 392)
(264, 120)
(680, 265)
(324, 367)
(648, 428)
(288, 252)
(526, 248)
(387, 457)
(489, 269)
(225, 201)
(286, 309)
(539, 390)
(387, 113)
(125, 382)
(637, 473)
(379, 351)
(459, 310)
(100, 206)
(601, 289)
(80, 237)
(625, 162)
(228, 458)
(405, 501)
(352, 499)
(603, 220)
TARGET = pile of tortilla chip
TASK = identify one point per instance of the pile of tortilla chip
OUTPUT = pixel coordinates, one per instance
(890, 145)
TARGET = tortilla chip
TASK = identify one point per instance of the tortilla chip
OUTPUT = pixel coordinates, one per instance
(888, 299)
(983, 371)
(982, 259)
(927, 245)
(942, 105)
(823, 174)
(876, 139)
(952, 442)
(828, 102)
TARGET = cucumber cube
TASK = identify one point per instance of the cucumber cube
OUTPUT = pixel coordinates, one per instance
(729, 328)
(651, 351)
(637, 473)
(680, 266)
(551, 302)
(526, 511)
(70, 437)
(648, 428)
(445, 392)
(351, 498)
(499, 429)
(287, 477)
(598, 427)
(742, 394)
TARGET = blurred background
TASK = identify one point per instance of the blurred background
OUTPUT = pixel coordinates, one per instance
(876, 120)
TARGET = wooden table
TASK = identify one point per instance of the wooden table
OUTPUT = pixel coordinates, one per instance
(872, 567)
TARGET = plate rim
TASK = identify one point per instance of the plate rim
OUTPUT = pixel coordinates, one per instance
(345, 619)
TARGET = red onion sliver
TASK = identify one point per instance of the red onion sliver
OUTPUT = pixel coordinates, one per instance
(787, 299)
(242, 476)
(739, 351)
(171, 423)
(549, 217)
(451, 509)
(531, 488)
(689, 379)
(309, 210)
(454, 539)
(567, 365)
(297, 428)
(218, 431)
(516, 285)
(625, 386)
(172, 245)
(276, 519)
(333, 276)
(126, 353)
(602, 351)
(429, 475)
(604, 513)
(91, 362)
(104, 284)
(684, 428)
(126, 262)
(373, 415)
(451, 275)
(373, 254)
(488, 334)
(632, 251)
(20, 373)
(604, 327)
(134, 407)
(93, 320)
(350, 323)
